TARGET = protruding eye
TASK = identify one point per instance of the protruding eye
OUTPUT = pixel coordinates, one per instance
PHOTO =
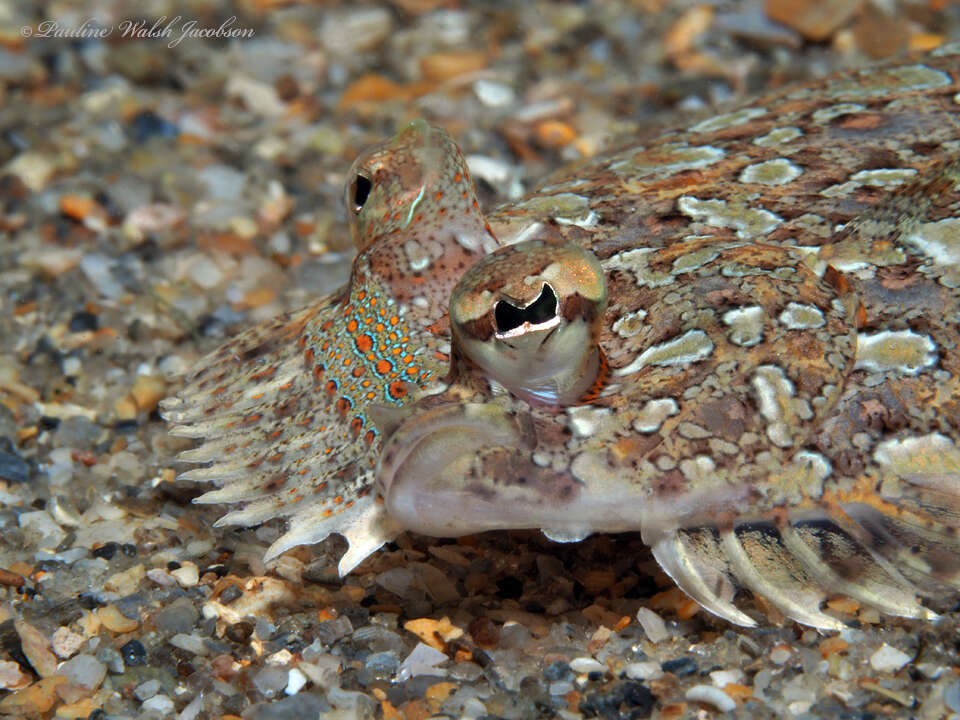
(360, 191)
(509, 317)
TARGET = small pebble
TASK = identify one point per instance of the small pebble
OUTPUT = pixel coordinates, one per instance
(270, 680)
(14, 468)
(160, 704)
(161, 577)
(205, 273)
(187, 574)
(146, 124)
(296, 681)
(65, 642)
(383, 662)
(83, 321)
(681, 667)
(888, 659)
(84, 670)
(134, 653)
(643, 670)
(230, 593)
(711, 696)
(178, 617)
(106, 551)
(780, 654)
(147, 690)
(653, 625)
(951, 696)
(722, 678)
(493, 94)
(190, 643)
(422, 660)
(585, 665)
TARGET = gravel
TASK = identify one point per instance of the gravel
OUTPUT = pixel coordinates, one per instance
(156, 200)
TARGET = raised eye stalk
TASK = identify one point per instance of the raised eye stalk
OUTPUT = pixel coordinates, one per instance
(528, 315)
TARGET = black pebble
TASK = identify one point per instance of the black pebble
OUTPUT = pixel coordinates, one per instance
(134, 653)
(129, 549)
(239, 632)
(107, 550)
(509, 588)
(83, 321)
(14, 468)
(147, 124)
(681, 667)
(626, 700)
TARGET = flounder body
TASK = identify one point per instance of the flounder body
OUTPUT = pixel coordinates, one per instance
(741, 339)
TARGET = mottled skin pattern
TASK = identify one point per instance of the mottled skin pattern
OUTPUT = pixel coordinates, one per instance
(781, 407)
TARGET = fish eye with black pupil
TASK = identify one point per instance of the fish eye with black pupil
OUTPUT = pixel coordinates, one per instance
(360, 192)
(509, 317)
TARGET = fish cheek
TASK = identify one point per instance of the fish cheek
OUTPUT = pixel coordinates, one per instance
(466, 468)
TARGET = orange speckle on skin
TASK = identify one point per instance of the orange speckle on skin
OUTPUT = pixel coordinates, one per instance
(397, 390)
(352, 326)
(458, 177)
(384, 366)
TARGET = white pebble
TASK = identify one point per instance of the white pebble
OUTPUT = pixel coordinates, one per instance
(71, 365)
(711, 696)
(779, 655)
(295, 682)
(98, 268)
(40, 522)
(190, 643)
(422, 660)
(65, 642)
(205, 273)
(653, 625)
(493, 94)
(722, 678)
(587, 665)
(888, 659)
(643, 670)
(159, 704)
(187, 574)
